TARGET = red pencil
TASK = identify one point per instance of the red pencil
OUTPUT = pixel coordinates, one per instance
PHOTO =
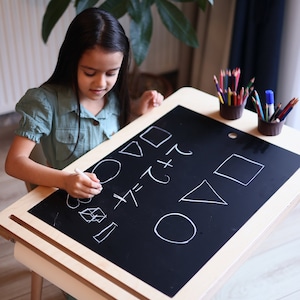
(222, 80)
(235, 102)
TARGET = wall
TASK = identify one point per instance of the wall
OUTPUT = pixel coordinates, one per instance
(25, 61)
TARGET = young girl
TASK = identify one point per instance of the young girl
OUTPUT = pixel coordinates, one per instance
(83, 103)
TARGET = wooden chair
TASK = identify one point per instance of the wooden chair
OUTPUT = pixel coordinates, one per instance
(36, 280)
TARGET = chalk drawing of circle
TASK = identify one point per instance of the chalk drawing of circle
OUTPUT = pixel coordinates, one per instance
(168, 228)
(108, 169)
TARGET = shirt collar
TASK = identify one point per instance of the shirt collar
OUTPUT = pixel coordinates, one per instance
(68, 103)
(111, 107)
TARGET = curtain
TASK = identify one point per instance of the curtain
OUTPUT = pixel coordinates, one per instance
(259, 36)
(256, 40)
(289, 68)
(214, 29)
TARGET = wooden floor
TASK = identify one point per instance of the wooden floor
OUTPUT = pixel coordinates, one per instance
(271, 273)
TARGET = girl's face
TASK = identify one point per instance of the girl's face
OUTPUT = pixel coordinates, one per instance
(97, 73)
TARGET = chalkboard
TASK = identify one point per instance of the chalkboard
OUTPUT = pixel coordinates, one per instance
(172, 196)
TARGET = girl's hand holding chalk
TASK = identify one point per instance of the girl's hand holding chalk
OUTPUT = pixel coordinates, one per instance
(94, 186)
(79, 172)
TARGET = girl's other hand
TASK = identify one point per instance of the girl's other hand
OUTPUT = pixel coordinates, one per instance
(145, 103)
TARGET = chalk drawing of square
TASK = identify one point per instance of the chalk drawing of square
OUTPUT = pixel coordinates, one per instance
(239, 169)
(155, 136)
(93, 215)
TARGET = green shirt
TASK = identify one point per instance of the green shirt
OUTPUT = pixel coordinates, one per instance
(50, 117)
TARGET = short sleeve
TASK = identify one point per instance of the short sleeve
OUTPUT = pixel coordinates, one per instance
(36, 115)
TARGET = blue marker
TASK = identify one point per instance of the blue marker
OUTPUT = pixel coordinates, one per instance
(269, 104)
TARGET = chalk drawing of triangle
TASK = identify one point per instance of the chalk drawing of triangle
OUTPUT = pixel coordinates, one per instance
(203, 193)
(133, 149)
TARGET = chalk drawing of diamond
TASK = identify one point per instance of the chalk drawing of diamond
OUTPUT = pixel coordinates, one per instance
(239, 169)
(155, 136)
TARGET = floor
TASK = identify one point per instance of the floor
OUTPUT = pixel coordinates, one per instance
(271, 273)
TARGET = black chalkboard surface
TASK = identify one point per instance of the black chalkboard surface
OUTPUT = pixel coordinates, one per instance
(172, 197)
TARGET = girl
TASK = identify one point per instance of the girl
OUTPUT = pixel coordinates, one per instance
(83, 103)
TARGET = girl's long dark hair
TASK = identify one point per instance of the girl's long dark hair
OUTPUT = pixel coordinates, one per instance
(93, 27)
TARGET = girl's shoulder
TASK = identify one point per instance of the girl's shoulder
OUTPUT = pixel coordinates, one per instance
(46, 92)
(47, 95)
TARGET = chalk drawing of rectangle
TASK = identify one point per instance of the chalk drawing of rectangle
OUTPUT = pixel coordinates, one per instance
(239, 169)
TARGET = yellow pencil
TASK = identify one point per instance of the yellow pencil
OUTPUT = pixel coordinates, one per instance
(229, 96)
(220, 98)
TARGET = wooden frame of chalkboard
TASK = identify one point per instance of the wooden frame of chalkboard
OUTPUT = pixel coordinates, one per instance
(198, 192)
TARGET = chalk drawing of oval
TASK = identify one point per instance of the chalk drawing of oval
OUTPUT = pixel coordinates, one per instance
(107, 169)
(167, 228)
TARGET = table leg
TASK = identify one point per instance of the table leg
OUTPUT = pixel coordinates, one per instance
(36, 286)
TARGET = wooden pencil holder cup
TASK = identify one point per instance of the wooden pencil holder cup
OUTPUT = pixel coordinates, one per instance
(231, 112)
(269, 128)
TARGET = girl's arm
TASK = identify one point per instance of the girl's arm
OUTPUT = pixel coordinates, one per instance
(19, 165)
(144, 104)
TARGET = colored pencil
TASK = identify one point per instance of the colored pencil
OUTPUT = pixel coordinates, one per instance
(287, 109)
(259, 105)
(273, 117)
(227, 87)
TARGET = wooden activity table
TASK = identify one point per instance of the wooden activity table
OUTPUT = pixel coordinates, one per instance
(86, 274)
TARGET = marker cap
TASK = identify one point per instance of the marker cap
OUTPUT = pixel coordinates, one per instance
(269, 97)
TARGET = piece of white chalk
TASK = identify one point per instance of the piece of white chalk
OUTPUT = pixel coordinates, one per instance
(78, 171)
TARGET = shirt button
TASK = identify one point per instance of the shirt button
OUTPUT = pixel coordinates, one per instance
(95, 122)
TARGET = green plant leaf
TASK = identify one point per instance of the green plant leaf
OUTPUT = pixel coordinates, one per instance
(135, 10)
(185, 1)
(54, 11)
(116, 7)
(136, 7)
(177, 23)
(84, 4)
(140, 29)
(202, 3)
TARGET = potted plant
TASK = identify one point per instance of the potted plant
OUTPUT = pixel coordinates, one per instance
(141, 23)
